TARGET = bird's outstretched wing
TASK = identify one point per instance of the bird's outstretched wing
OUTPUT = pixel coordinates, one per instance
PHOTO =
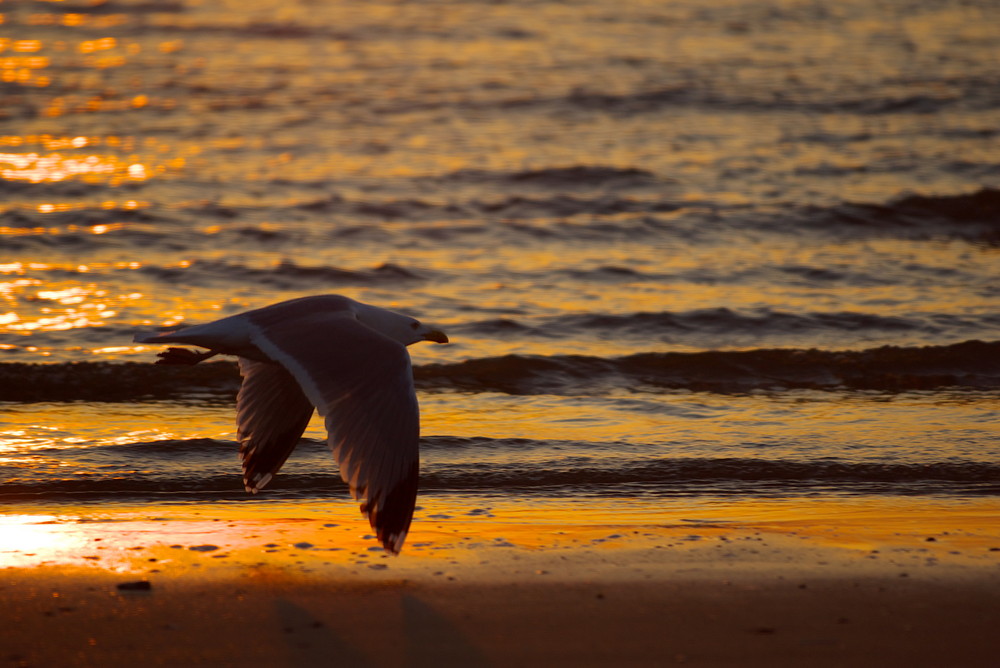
(271, 414)
(362, 383)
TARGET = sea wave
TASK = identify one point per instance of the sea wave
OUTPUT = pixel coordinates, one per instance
(569, 176)
(726, 475)
(185, 469)
(286, 274)
(862, 101)
(568, 204)
(84, 216)
(725, 324)
(512, 206)
(972, 216)
(972, 364)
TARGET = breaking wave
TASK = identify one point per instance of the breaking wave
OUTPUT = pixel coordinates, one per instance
(207, 468)
(972, 217)
(972, 364)
(724, 324)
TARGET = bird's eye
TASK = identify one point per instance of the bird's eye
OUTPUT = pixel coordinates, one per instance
(414, 325)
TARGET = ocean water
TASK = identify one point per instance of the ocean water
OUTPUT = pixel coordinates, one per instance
(692, 251)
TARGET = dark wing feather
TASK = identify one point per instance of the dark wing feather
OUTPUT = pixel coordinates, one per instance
(271, 414)
(362, 382)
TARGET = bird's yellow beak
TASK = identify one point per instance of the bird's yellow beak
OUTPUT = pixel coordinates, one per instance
(436, 335)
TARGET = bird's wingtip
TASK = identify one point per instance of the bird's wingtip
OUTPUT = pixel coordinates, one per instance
(257, 482)
(393, 543)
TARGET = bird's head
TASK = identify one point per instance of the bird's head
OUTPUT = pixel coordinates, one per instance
(397, 326)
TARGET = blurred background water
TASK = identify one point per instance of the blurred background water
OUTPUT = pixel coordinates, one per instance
(747, 247)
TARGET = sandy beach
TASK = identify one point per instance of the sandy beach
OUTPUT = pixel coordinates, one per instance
(290, 586)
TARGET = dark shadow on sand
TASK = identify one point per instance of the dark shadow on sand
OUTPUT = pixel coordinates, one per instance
(433, 641)
(311, 644)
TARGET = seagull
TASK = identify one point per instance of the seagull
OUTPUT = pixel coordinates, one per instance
(347, 360)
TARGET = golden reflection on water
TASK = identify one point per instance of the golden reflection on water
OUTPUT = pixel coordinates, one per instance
(72, 307)
(27, 61)
(37, 168)
(87, 61)
(43, 426)
(124, 160)
(103, 292)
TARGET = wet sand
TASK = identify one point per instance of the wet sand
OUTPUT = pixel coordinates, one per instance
(289, 587)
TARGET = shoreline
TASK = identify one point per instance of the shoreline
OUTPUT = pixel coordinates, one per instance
(292, 584)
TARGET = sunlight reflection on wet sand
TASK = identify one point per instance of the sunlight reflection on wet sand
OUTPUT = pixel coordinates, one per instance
(625, 540)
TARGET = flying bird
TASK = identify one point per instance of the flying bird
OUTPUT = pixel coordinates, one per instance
(347, 360)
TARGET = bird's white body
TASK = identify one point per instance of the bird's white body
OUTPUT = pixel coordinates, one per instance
(337, 355)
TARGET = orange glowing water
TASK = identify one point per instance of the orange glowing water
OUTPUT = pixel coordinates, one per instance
(575, 193)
